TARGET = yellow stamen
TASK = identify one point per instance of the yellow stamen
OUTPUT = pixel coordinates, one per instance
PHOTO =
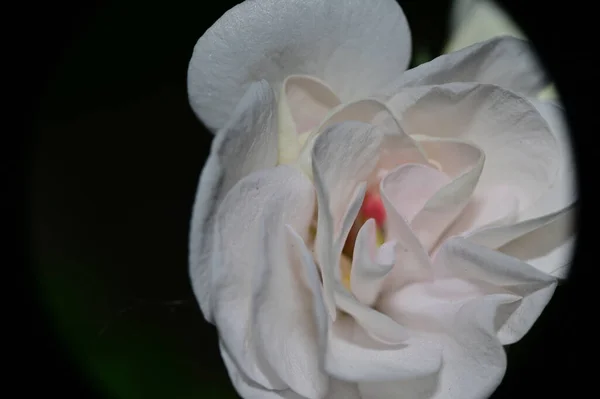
(345, 268)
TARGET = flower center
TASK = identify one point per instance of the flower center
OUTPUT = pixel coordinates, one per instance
(372, 208)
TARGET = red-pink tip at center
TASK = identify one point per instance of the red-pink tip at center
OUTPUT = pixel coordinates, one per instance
(372, 208)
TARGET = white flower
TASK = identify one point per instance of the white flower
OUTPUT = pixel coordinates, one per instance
(364, 232)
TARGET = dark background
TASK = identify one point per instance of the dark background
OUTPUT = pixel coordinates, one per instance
(111, 172)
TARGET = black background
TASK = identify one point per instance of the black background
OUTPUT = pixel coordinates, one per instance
(112, 157)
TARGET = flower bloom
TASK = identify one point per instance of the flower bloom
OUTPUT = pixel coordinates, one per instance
(363, 231)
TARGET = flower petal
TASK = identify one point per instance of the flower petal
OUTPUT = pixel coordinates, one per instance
(563, 192)
(343, 156)
(504, 61)
(304, 257)
(339, 389)
(377, 325)
(478, 300)
(446, 204)
(495, 236)
(248, 389)
(544, 233)
(246, 144)
(409, 186)
(370, 265)
(356, 47)
(521, 151)
(309, 101)
(548, 248)
(281, 303)
(496, 207)
(397, 146)
(261, 306)
(354, 356)
(497, 273)
(303, 103)
(412, 261)
(453, 314)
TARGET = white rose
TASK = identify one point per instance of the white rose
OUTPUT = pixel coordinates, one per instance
(364, 232)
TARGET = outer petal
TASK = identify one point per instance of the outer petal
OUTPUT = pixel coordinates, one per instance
(262, 303)
(354, 356)
(548, 248)
(504, 61)
(545, 234)
(247, 388)
(357, 47)
(478, 301)
(521, 152)
(246, 144)
(496, 273)
(563, 192)
(473, 362)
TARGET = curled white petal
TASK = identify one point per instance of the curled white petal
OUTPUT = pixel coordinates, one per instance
(337, 41)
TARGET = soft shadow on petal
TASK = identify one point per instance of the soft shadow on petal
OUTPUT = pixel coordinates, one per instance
(543, 234)
(370, 264)
(563, 192)
(304, 103)
(474, 359)
(497, 206)
(478, 301)
(339, 389)
(494, 236)
(343, 156)
(549, 248)
(309, 100)
(454, 314)
(246, 144)
(397, 146)
(409, 186)
(262, 305)
(302, 255)
(431, 200)
(497, 273)
(450, 200)
(412, 261)
(504, 61)
(380, 327)
(521, 151)
(248, 389)
(354, 356)
(357, 47)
